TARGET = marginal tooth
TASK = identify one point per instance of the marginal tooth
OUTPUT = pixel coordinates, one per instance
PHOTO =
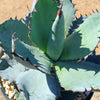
(28, 8)
(1, 52)
(15, 17)
(78, 24)
(93, 11)
(90, 13)
(13, 42)
(79, 60)
(57, 1)
(97, 10)
(34, 9)
(10, 18)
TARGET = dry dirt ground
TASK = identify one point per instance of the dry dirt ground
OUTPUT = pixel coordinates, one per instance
(19, 8)
(13, 8)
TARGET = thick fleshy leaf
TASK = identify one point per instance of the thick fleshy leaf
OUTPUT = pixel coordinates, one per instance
(84, 40)
(43, 14)
(38, 86)
(68, 12)
(32, 83)
(10, 69)
(6, 30)
(78, 76)
(24, 52)
(27, 56)
(57, 37)
(33, 55)
(27, 18)
(76, 23)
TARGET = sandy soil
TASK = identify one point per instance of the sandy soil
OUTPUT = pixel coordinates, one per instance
(86, 7)
(13, 8)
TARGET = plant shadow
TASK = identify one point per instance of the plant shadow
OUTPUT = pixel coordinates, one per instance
(94, 58)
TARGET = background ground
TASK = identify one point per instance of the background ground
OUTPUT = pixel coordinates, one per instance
(19, 8)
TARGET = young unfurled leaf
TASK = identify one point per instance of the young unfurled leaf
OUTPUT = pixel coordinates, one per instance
(56, 37)
(43, 14)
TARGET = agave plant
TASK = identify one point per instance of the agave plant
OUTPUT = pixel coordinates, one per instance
(43, 51)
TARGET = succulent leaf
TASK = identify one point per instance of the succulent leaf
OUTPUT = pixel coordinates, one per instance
(76, 23)
(10, 69)
(28, 80)
(51, 35)
(68, 12)
(57, 37)
(32, 55)
(38, 86)
(78, 76)
(83, 40)
(6, 30)
(43, 14)
(23, 51)
(27, 18)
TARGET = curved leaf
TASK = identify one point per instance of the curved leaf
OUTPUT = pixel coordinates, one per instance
(33, 83)
(24, 52)
(76, 23)
(57, 37)
(43, 14)
(10, 69)
(6, 30)
(84, 40)
(33, 55)
(68, 12)
(82, 76)
(38, 86)
(27, 18)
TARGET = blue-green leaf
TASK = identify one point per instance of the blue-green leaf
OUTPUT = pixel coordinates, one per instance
(33, 55)
(78, 76)
(6, 30)
(24, 52)
(57, 37)
(33, 84)
(38, 86)
(68, 12)
(10, 69)
(43, 14)
(83, 40)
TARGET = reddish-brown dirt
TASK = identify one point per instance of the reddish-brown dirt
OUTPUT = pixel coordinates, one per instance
(13, 8)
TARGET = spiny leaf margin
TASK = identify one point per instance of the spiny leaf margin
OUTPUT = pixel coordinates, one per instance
(83, 40)
(78, 77)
